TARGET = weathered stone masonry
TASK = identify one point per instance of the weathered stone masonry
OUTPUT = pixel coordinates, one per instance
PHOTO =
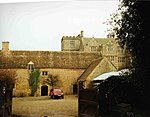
(68, 66)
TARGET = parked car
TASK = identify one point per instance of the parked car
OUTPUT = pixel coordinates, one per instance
(56, 93)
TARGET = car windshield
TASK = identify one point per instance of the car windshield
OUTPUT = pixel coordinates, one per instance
(57, 90)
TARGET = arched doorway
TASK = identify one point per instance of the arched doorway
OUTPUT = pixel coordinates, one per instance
(44, 90)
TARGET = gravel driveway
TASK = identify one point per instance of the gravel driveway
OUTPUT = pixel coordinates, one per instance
(45, 107)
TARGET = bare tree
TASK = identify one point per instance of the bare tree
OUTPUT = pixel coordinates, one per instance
(53, 81)
(7, 77)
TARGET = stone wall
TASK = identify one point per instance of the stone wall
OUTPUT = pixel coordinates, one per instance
(71, 45)
(21, 86)
(68, 77)
(90, 44)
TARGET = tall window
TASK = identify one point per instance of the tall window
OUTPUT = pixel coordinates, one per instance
(93, 48)
(110, 47)
(111, 58)
(72, 44)
(121, 59)
(30, 66)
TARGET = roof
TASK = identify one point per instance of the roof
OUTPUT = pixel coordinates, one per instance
(112, 73)
(89, 69)
(47, 59)
(106, 75)
(30, 63)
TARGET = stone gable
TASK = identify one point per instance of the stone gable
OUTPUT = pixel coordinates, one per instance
(96, 68)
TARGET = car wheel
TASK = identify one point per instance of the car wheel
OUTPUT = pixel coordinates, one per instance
(52, 97)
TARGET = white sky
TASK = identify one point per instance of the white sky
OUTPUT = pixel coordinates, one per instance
(30, 25)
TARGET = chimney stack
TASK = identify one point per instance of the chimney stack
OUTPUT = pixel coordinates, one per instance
(82, 33)
(5, 46)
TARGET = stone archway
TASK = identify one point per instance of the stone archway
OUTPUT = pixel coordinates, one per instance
(44, 90)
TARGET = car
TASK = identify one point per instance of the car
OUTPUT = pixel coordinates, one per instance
(56, 93)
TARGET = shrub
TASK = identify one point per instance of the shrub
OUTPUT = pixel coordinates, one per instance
(34, 81)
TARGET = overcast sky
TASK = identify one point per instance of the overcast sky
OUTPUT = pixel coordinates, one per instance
(41, 25)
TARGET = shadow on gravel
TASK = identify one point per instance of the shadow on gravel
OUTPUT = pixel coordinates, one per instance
(33, 98)
(13, 115)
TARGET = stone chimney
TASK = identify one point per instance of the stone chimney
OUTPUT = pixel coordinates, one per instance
(82, 33)
(5, 46)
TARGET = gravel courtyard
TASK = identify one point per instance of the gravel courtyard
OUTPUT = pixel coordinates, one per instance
(45, 107)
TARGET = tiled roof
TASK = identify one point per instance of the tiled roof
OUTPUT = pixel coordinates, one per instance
(47, 59)
(89, 69)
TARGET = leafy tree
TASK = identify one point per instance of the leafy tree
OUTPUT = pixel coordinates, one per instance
(7, 80)
(34, 81)
(115, 90)
(131, 26)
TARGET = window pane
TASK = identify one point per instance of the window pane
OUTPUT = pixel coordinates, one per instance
(72, 44)
(44, 73)
(93, 48)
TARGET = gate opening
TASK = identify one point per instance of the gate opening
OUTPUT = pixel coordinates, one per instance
(44, 90)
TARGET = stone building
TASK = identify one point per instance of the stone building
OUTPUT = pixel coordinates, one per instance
(81, 58)
(107, 47)
(68, 66)
(96, 68)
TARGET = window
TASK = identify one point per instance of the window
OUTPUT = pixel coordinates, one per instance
(72, 44)
(30, 66)
(121, 59)
(44, 73)
(111, 58)
(120, 50)
(93, 48)
(110, 47)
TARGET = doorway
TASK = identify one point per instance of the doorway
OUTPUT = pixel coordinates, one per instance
(74, 88)
(44, 90)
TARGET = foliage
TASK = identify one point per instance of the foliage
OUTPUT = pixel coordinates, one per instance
(53, 81)
(34, 81)
(111, 91)
(7, 77)
(126, 25)
(121, 89)
(131, 24)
